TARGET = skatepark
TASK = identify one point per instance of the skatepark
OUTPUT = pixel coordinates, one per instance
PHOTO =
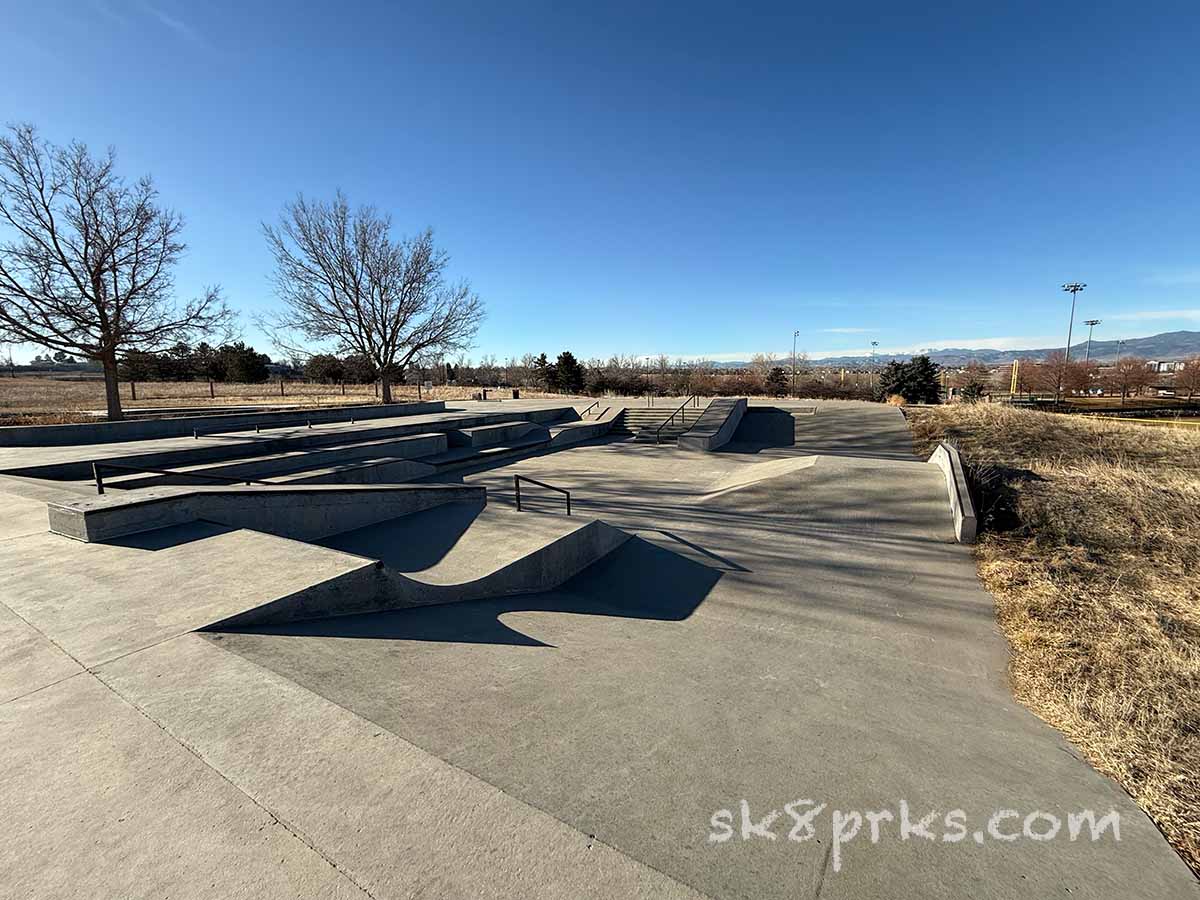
(297, 654)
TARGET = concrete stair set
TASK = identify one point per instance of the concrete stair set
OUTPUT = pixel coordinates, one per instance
(642, 423)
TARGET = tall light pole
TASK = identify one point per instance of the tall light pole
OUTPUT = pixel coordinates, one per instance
(795, 334)
(871, 375)
(1072, 288)
(1087, 354)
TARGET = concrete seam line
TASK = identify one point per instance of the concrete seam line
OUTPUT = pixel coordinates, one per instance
(17, 537)
(45, 686)
(592, 839)
(194, 752)
(51, 640)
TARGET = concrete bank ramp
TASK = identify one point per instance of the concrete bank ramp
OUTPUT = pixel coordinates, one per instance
(754, 473)
(449, 554)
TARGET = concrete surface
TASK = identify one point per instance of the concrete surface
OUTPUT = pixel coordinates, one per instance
(97, 800)
(811, 629)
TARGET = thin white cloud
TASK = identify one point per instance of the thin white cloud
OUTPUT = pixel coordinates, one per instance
(1144, 314)
(180, 27)
(109, 12)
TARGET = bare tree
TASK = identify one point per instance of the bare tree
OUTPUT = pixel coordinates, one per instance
(1187, 378)
(344, 281)
(85, 267)
(1130, 376)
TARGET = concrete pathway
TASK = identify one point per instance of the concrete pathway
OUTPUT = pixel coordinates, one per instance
(784, 628)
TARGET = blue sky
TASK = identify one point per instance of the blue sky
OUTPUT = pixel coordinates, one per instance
(691, 179)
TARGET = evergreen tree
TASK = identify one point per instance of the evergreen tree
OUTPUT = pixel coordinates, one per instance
(569, 373)
(544, 373)
(916, 380)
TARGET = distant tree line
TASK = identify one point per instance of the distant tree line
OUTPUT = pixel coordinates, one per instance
(636, 376)
(233, 362)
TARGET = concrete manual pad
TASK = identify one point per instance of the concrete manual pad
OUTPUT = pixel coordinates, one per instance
(96, 801)
(395, 819)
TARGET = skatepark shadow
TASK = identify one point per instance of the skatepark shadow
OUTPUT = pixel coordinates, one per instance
(638, 580)
(409, 543)
(170, 536)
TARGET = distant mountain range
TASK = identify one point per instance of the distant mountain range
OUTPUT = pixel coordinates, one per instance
(1166, 346)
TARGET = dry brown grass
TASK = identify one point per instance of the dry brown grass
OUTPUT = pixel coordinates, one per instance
(48, 401)
(1097, 583)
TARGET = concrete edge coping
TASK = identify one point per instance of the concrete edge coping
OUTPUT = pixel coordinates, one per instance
(946, 457)
(158, 495)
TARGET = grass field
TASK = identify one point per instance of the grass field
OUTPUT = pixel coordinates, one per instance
(48, 401)
(1169, 423)
(1090, 549)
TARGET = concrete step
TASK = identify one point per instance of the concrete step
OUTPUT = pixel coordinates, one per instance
(465, 457)
(499, 433)
(213, 447)
(272, 465)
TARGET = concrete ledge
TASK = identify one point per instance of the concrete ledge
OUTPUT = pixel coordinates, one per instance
(146, 429)
(499, 433)
(373, 471)
(584, 429)
(716, 425)
(946, 458)
(301, 512)
(542, 569)
(290, 466)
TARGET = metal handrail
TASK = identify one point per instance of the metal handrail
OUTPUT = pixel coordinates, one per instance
(589, 407)
(517, 479)
(682, 406)
(223, 479)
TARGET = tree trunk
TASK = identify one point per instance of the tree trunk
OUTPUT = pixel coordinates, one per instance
(385, 388)
(112, 393)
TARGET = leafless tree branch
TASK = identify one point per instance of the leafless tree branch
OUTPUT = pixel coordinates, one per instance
(86, 258)
(346, 284)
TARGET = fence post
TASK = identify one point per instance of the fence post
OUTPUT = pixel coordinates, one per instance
(211, 391)
(133, 390)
